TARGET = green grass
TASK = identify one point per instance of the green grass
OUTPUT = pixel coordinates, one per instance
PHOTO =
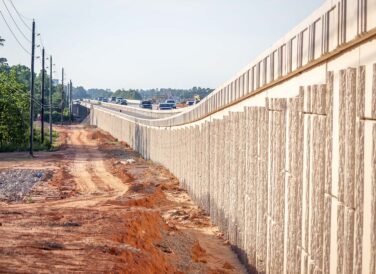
(37, 145)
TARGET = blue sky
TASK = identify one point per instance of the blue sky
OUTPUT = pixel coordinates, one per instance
(153, 43)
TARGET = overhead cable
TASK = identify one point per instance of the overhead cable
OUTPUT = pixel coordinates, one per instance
(20, 15)
(15, 23)
(15, 37)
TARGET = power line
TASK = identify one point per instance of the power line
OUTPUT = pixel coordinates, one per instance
(14, 21)
(15, 37)
(20, 15)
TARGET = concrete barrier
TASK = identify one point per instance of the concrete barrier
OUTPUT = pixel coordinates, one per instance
(136, 110)
(288, 173)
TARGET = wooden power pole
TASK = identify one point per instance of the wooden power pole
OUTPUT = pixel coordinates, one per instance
(50, 97)
(32, 91)
(62, 96)
(42, 100)
(71, 101)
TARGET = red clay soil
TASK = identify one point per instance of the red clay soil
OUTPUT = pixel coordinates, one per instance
(106, 210)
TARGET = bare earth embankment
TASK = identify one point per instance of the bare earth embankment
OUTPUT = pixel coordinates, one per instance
(95, 206)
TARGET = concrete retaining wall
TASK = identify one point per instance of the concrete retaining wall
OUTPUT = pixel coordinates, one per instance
(288, 173)
(292, 192)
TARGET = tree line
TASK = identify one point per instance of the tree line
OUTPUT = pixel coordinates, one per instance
(94, 93)
(140, 94)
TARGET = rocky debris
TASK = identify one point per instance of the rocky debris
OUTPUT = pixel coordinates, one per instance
(128, 161)
(125, 162)
(15, 184)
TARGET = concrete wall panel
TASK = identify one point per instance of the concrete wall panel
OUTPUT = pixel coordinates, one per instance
(288, 175)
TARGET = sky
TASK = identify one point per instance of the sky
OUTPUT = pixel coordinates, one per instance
(140, 44)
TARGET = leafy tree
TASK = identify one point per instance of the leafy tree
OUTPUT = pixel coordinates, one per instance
(128, 94)
(182, 94)
(14, 105)
(80, 93)
(3, 61)
(23, 74)
(95, 93)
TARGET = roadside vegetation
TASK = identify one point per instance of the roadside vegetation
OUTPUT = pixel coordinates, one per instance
(15, 108)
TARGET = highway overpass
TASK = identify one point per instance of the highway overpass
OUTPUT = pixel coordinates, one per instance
(283, 155)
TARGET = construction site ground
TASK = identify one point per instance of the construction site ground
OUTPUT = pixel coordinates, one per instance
(104, 209)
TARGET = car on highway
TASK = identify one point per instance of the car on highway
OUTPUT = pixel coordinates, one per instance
(123, 102)
(118, 100)
(165, 106)
(190, 103)
(100, 99)
(172, 102)
(113, 99)
(146, 104)
(105, 100)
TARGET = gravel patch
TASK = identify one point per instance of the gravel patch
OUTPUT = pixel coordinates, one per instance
(15, 184)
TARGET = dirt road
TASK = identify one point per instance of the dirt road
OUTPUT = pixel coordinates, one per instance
(105, 210)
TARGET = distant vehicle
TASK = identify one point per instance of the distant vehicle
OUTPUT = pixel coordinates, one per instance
(100, 99)
(104, 100)
(113, 99)
(119, 100)
(146, 104)
(123, 102)
(172, 102)
(165, 106)
(190, 103)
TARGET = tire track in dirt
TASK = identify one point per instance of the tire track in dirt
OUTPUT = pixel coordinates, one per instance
(89, 168)
(79, 168)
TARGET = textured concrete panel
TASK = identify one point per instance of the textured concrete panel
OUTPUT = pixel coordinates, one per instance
(266, 174)
(340, 237)
(328, 172)
(359, 173)
(373, 204)
(350, 113)
(262, 187)
(342, 134)
(373, 113)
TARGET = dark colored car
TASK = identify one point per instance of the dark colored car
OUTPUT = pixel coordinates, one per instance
(146, 104)
(123, 102)
(172, 102)
(190, 103)
(165, 106)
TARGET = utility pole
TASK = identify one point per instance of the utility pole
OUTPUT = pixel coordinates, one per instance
(42, 101)
(50, 97)
(62, 96)
(68, 99)
(71, 102)
(32, 91)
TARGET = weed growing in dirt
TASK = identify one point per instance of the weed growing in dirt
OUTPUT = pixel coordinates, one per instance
(37, 146)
